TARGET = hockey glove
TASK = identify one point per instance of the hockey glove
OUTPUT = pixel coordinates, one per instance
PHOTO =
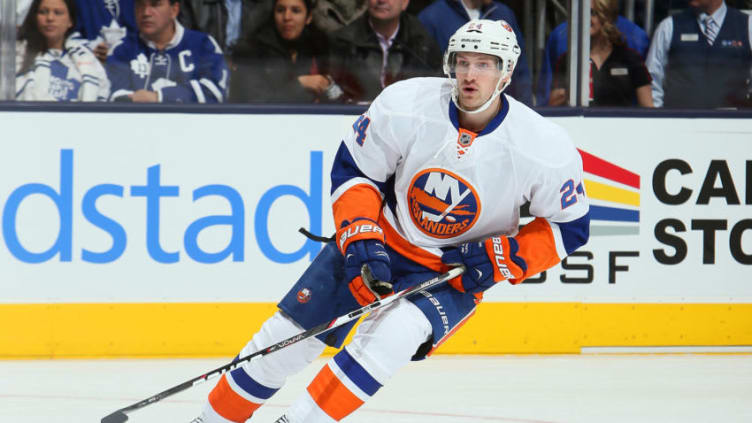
(367, 266)
(488, 262)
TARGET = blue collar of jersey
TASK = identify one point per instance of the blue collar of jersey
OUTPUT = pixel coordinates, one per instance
(495, 122)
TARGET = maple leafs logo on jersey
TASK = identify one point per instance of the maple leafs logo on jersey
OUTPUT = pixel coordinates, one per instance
(442, 204)
(140, 66)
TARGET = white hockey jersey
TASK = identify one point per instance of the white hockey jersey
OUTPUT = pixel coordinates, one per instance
(71, 74)
(444, 185)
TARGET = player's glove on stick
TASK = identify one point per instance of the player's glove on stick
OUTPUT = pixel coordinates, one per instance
(488, 262)
(367, 266)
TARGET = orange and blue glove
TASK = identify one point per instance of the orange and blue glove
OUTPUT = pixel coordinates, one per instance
(367, 266)
(488, 262)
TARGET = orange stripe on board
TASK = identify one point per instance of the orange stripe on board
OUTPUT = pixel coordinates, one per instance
(361, 200)
(404, 248)
(332, 396)
(228, 404)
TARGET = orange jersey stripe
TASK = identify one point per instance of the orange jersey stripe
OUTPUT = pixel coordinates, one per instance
(332, 396)
(407, 250)
(228, 404)
(360, 200)
(537, 247)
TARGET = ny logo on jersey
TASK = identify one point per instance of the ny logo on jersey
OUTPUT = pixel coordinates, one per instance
(140, 66)
(442, 204)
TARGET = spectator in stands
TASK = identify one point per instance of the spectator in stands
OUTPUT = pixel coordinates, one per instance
(331, 15)
(104, 23)
(558, 44)
(443, 17)
(381, 47)
(225, 20)
(618, 74)
(285, 61)
(166, 62)
(702, 57)
(51, 65)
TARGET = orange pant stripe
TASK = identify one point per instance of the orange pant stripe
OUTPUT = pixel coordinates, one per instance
(332, 396)
(228, 404)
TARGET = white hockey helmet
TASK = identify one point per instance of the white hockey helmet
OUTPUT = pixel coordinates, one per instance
(495, 38)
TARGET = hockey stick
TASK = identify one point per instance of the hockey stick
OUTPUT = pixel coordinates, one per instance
(120, 415)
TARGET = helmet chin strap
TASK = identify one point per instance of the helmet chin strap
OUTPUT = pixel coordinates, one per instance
(484, 106)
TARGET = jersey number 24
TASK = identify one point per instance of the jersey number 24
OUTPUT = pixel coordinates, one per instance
(360, 127)
(569, 193)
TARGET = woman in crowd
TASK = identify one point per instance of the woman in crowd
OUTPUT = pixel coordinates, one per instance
(618, 76)
(51, 65)
(285, 61)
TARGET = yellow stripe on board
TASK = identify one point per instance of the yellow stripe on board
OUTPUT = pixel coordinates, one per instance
(201, 330)
(605, 192)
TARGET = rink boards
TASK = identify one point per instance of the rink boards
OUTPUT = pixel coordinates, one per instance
(174, 235)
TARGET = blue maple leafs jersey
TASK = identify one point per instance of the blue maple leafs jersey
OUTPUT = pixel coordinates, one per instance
(191, 69)
(105, 20)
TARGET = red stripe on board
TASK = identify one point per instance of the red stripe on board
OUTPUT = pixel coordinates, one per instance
(608, 170)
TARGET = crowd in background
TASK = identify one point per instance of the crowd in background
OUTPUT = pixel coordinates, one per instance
(347, 51)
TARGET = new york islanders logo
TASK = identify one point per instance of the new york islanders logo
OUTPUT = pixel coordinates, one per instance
(442, 205)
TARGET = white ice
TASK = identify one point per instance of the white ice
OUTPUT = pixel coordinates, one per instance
(685, 388)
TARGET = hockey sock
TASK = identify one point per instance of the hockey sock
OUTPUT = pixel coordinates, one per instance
(236, 396)
(239, 393)
(342, 386)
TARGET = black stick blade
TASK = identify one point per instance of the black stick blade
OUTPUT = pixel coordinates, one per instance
(116, 417)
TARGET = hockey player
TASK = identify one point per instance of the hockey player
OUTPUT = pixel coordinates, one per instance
(431, 176)
(166, 62)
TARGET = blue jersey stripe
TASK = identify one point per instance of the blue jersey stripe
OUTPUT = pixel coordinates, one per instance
(356, 373)
(575, 234)
(344, 169)
(251, 386)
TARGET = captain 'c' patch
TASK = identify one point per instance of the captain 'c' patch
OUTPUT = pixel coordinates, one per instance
(442, 205)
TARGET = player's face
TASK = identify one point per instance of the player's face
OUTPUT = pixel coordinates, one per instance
(385, 10)
(477, 76)
(291, 17)
(53, 20)
(155, 17)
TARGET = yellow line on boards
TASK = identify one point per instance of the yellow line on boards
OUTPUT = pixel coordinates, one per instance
(222, 329)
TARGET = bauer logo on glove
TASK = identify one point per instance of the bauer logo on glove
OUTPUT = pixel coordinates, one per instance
(488, 262)
(359, 229)
(368, 269)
